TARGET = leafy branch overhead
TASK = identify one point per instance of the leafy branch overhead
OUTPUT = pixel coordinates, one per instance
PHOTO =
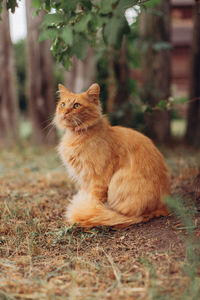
(72, 25)
(75, 24)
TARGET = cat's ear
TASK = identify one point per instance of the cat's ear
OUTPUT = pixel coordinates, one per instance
(93, 92)
(63, 90)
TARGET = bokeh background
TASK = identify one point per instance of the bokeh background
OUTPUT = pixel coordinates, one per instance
(150, 82)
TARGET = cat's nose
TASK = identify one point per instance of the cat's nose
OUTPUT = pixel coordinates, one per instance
(66, 112)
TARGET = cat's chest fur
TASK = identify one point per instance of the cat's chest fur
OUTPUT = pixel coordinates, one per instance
(79, 156)
(70, 152)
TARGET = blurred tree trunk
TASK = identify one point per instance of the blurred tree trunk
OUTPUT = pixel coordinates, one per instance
(155, 33)
(8, 93)
(118, 90)
(40, 89)
(193, 118)
(82, 73)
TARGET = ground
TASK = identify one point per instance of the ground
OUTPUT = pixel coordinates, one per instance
(41, 257)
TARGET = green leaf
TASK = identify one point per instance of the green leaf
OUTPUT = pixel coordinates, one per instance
(114, 30)
(80, 46)
(67, 35)
(48, 5)
(67, 63)
(1, 1)
(36, 3)
(97, 22)
(50, 19)
(162, 105)
(69, 4)
(81, 26)
(151, 3)
(107, 6)
(123, 5)
(86, 4)
(11, 4)
(48, 34)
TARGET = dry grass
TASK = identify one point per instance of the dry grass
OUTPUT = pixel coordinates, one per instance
(43, 258)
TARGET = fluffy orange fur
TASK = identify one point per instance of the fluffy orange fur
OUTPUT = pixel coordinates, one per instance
(121, 174)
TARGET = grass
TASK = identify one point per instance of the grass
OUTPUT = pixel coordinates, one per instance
(41, 257)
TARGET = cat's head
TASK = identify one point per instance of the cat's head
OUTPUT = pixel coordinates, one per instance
(78, 111)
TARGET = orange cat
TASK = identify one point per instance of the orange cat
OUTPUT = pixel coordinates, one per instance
(121, 174)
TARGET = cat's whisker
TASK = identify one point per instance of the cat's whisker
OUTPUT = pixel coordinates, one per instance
(47, 126)
(76, 124)
(49, 119)
(50, 131)
(75, 117)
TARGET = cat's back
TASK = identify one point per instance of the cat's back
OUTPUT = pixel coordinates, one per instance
(143, 154)
(130, 137)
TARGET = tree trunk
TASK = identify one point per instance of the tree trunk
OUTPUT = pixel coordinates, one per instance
(156, 71)
(82, 73)
(8, 93)
(193, 118)
(40, 88)
(118, 92)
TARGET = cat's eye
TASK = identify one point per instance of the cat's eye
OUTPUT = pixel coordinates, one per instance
(76, 105)
(63, 104)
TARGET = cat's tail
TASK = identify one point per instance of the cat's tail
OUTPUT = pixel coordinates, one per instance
(88, 213)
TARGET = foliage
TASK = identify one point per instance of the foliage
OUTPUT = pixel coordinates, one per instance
(10, 4)
(75, 24)
(104, 59)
